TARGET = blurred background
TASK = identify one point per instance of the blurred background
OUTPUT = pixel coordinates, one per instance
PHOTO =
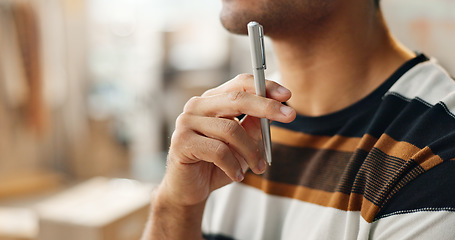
(90, 89)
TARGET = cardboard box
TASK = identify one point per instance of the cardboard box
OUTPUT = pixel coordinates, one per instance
(99, 209)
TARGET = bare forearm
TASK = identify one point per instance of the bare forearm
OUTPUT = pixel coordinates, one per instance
(170, 221)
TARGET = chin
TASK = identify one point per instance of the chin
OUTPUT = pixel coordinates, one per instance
(235, 25)
(280, 18)
(236, 14)
(235, 20)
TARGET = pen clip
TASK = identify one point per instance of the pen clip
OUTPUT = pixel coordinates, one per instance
(261, 38)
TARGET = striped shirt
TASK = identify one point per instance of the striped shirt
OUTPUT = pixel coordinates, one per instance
(380, 169)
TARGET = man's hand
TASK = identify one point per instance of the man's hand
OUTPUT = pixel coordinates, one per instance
(210, 148)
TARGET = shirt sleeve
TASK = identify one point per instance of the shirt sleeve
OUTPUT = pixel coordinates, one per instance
(424, 209)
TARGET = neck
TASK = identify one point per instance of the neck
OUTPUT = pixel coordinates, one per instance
(334, 64)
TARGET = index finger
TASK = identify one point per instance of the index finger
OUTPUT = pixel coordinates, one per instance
(231, 104)
(245, 83)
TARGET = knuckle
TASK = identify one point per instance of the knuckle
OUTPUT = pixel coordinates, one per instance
(231, 127)
(208, 92)
(243, 81)
(243, 77)
(183, 144)
(179, 138)
(181, 120)
(191, 104)
(236, 96)
(270, 107)
(221, 150)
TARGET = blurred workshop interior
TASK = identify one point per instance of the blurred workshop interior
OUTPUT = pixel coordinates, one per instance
(90, 89)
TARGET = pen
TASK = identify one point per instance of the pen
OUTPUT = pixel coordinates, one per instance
(256, 35)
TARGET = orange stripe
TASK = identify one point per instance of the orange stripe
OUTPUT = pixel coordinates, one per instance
(404, 150)
(367, 142)
(386, 144)
(427, 159)
(399, 149)
(299, 139)
(338, 200)
(369, 210)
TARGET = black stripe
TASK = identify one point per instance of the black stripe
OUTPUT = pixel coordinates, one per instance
(443, 146)
(216, 237)
(421, 125)
(432, 190)
(330, 124)
(374, 174)
(315, 168)
(386, 115)
(380, 175)
(416, 123)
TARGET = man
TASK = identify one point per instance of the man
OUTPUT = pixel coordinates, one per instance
(362, 149)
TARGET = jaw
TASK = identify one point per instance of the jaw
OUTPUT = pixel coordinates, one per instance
(280, 18)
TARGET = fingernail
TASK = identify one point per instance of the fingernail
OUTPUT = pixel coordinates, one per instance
(239, 176)
(286, 110)
(261, 166)
(283, 90)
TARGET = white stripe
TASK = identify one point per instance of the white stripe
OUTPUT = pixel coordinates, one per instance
(416, 225)
(427, 81)
(244, 212)
(449, 102)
